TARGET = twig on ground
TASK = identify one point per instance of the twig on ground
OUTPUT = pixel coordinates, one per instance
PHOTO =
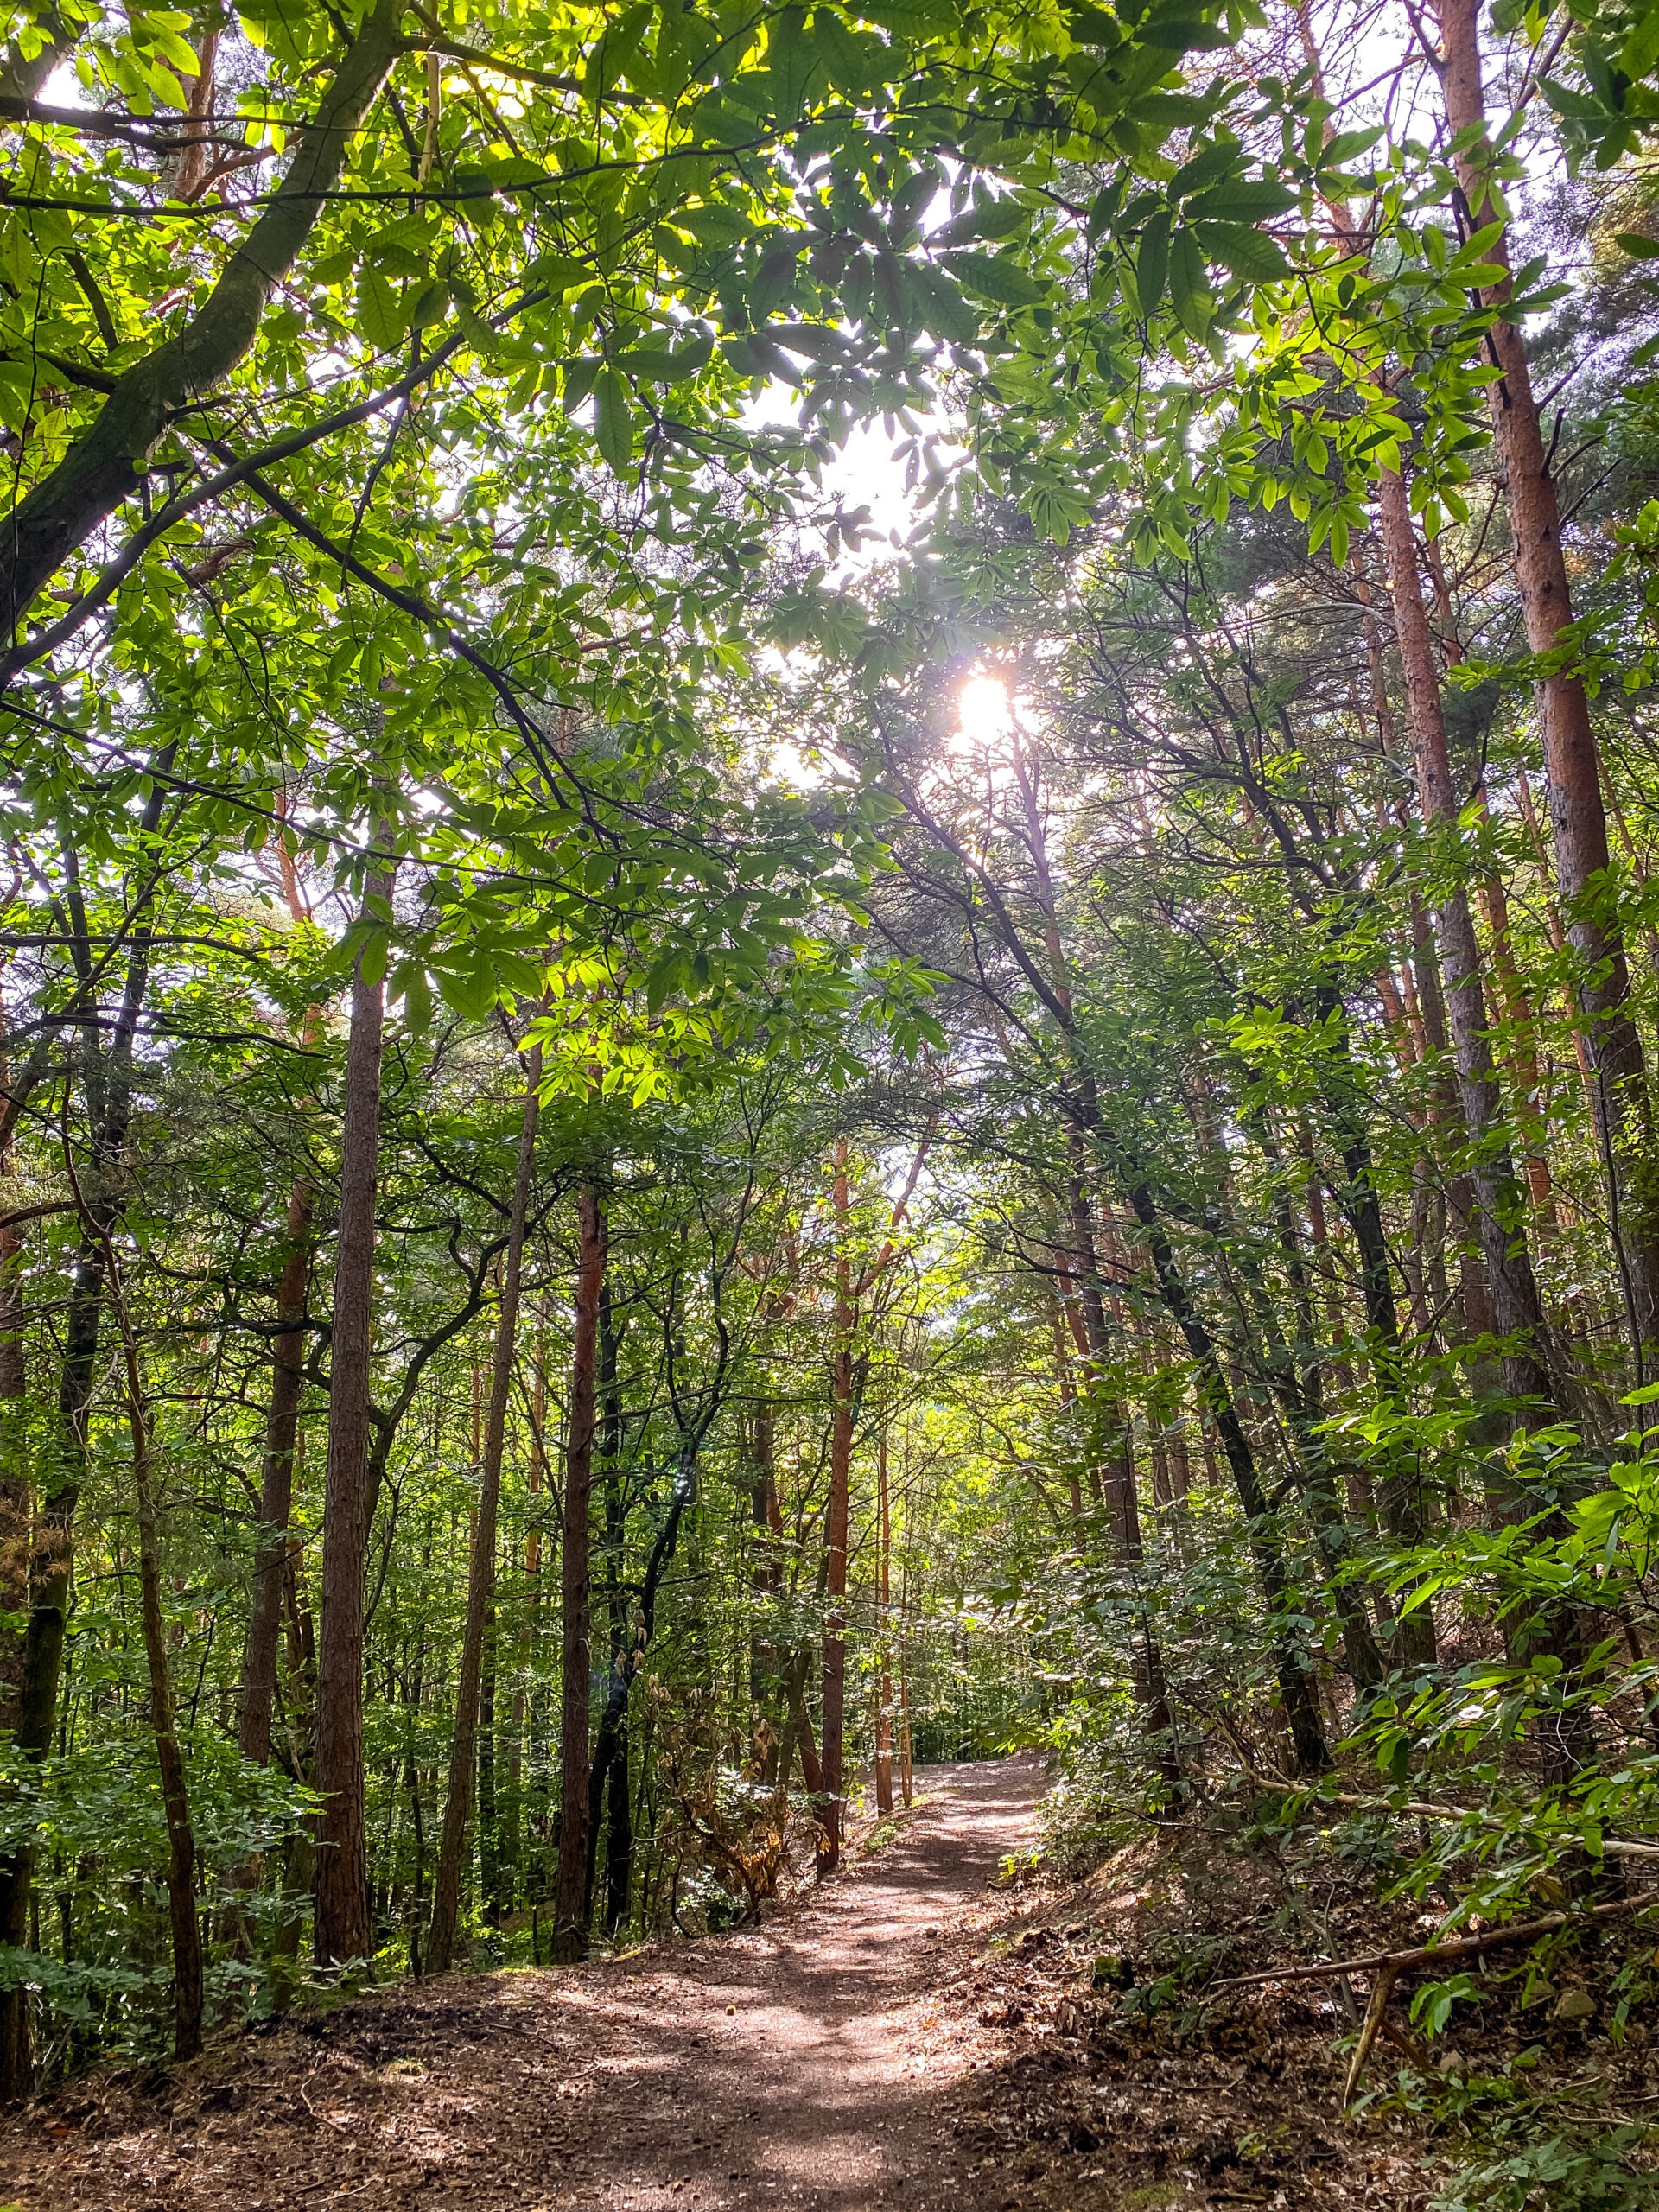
(1461, 1947)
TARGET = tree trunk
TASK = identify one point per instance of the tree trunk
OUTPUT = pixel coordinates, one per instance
(1295, 1678)
(14, 1499)
(489, 1813)
(107, 1083)
(607, 1785)
(1500, 1203)
(176, 1801)
(342, 1872)
(836, 1528)
(480, 1583)
(811, 1769)
(257, 1694)
(570, 1897)
(1571, 760)
(884, 1681)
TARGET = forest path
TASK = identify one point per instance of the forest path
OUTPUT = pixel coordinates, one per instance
(805, 2064)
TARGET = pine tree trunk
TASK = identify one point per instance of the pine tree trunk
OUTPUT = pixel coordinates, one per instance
(480, 1581)
(342, 1871)
(1572, 760)
(570, 1897)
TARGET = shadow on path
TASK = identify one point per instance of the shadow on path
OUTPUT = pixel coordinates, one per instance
(804, 2064)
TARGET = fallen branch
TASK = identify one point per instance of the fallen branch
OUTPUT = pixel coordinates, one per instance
(1612, 1846)
(1391, 1963)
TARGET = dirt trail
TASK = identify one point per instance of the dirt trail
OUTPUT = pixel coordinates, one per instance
(807, 2064)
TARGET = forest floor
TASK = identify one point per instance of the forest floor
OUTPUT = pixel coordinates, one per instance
(917, 2034)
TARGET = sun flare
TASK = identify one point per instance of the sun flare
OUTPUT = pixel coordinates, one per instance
(982, 710)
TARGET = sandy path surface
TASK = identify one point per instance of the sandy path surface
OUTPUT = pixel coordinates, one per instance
(805, 2065)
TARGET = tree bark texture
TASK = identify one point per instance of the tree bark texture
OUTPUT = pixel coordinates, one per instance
(176, 1800)
(107, 1083)
(342, 1875)
(836, 1528)
(480, 1582)
(1572, 760)
(1500, 1203)
(570, 1897)
(107, 464)
(884, 1680)
(257, 1699)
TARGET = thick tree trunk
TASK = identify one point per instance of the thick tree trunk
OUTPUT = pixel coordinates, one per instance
(257, 1697)
(480, 1584)
(342, 1873)
(1571, 760)
(570, 1897)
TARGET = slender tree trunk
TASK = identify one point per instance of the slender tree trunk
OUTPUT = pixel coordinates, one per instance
(570, 1918)
(16, 1502)
(884, 1683)
(176, 1801)
(1500, 1203)
(480, 1582)
(342, 1871)
(812, 1780)
(107, 1082)
(257, 1697)
(836, 1528)
(489, 1813)
(1295, 1678)
(607, 1781)
(1572, 760)
(906, 1764)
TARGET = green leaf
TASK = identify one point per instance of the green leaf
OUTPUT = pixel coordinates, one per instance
(1347, 146)
(379, 313)
(556, 273)
(816, 341)
(579, 379)
(1189, 289)
(1634, 244)
(995, 276)
(613, 423)
(1245, 199)
(986, 219)
(1151, 262)
(1641, 49)
(371, 959)
(1247, 252)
